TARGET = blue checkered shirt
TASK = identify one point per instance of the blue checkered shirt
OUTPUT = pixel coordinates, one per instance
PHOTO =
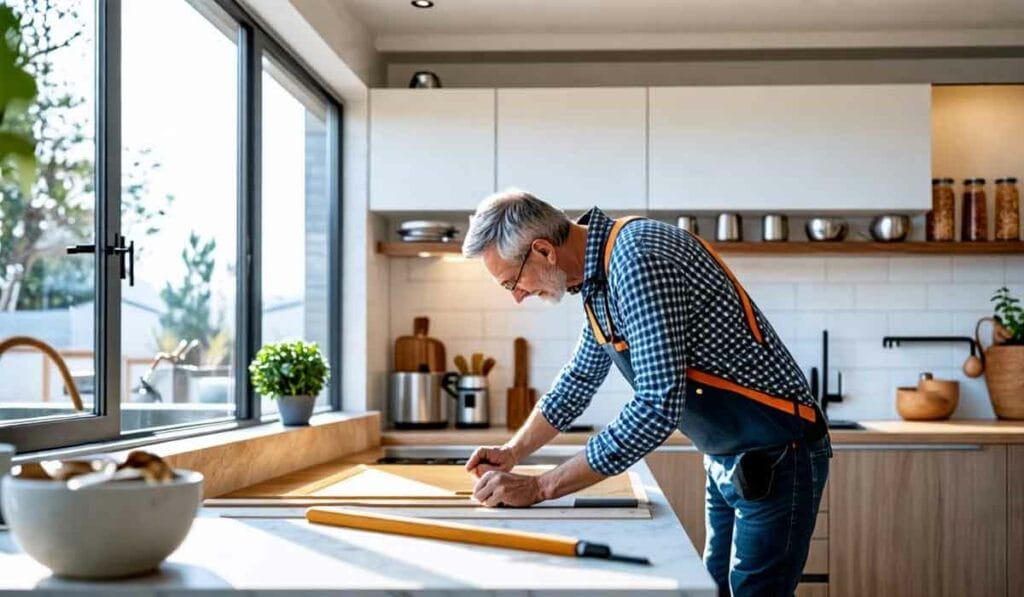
(677, 308)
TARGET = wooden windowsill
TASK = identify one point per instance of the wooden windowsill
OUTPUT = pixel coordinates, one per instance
(239, 457)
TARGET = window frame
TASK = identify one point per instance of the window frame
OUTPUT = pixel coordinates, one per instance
(253, 41)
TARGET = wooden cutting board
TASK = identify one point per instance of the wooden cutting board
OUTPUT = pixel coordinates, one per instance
(412, 352)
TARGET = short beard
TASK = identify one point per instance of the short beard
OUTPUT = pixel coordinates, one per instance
(555, 282)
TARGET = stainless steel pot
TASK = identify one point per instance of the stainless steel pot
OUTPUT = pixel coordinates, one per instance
(424, 79)
(420, 400)
(471, 406)
(689, 224)
(774, 228)
(890, 227)
(729, 227)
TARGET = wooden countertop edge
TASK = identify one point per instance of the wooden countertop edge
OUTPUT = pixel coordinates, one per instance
(874, 432)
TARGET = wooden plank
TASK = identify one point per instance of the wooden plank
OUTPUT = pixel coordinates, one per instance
(424, 249)
(296, 509)
(343, 480)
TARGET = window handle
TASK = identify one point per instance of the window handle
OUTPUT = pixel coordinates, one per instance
(119, 249)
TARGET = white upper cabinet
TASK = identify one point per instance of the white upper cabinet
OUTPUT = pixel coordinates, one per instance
(431, 149)
(790, 148)
(575, 148)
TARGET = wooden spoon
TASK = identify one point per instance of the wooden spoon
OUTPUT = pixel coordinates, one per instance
(489, 364)
(461, 364)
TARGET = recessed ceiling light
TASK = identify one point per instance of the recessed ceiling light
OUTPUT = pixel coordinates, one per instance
(422, 3)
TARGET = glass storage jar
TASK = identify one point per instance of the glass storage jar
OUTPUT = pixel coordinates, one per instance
(1007, 209)
(942, 224)
(973, 211)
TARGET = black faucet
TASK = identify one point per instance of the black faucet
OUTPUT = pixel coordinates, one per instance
(825, 397)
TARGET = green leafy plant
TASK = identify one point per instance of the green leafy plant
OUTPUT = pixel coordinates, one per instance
(290, 368)
(17, 90)
(1010, 315)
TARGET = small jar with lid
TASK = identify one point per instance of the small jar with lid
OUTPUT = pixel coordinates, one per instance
(974, 211)
(941, 219)
(1007, 209)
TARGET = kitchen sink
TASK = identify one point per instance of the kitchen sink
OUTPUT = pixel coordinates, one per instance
(844, 424)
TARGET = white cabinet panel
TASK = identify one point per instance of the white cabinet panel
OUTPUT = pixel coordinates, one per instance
(431, 149)
(575, 148)
(816, 148)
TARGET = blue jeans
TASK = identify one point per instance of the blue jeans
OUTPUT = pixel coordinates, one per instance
(759, 547)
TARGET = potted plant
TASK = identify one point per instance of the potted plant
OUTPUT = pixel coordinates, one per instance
(1004, 360)
(292, 373)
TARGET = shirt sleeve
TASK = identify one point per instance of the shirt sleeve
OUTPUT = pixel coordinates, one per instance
(651, 306)
(571, 392)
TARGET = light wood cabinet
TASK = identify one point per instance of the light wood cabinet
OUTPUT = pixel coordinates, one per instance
(431, 149)
(575, 147)
(1015, 515)
(790, 147)
(924, 521)
(680, 474)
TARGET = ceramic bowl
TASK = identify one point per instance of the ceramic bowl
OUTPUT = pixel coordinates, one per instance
(110, 530)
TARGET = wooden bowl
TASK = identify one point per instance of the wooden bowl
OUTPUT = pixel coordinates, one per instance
(916, 405)
(943, 388)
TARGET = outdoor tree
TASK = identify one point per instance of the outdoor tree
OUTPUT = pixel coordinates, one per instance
(188, 314)
(58, 209)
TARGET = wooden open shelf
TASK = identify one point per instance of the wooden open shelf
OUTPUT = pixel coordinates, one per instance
(415, 249)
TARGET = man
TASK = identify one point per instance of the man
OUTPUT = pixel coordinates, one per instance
(701, 358)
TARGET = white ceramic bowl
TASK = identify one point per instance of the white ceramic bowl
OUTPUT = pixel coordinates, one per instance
(109, 530)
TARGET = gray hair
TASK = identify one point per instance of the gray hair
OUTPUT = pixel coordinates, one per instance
(511, 220)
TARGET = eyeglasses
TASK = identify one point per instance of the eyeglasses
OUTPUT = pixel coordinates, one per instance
(511, 285)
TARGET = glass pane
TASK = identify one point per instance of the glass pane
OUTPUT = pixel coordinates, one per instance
(294, 213)
(46, 294)
(179, 162)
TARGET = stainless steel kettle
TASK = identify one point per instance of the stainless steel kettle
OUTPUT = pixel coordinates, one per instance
(472, 409)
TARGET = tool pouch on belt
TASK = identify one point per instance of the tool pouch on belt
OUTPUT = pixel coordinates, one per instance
(754, 475)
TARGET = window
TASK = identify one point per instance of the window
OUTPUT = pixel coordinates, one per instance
(179, 163)
(295, 212)
(45, 294)
(155, 170)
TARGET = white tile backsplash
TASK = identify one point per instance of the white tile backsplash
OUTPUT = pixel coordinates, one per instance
(890, 297)
(857, 299)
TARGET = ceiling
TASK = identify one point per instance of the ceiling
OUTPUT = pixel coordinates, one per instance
(504, 25)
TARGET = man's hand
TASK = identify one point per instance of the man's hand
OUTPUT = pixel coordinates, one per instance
(496, 488)
(495, 458)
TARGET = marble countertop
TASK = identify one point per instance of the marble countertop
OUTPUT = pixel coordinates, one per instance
(260, 555)
(955, 431)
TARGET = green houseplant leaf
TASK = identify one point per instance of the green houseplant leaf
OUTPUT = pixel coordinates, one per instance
(1009, 314)
(291, 368)
(17, 90)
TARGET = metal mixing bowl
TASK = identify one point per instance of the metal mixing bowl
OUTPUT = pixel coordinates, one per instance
(826, 229)
(890, 227)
